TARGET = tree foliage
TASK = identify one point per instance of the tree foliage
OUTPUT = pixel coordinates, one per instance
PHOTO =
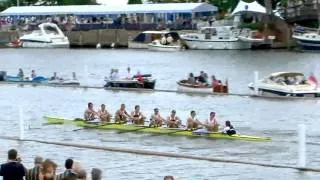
(134, 1)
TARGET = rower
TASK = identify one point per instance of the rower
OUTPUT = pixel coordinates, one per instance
(173, 121)
(229, 129)
(20, 74)
(212, 124)
(33, 74)
(136, 116)
(156, 119)
(103, 114)
(192, 121)
(121, 114)
(89, 113)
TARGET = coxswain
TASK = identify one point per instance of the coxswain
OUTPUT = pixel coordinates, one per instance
(33, 74)
(173, 120)
(192, 121)
(103, 114)
(212, 124)
(89, 113)
(121, 114)
(136, 116)
(156, 119)
(229, 129)
(20, 74)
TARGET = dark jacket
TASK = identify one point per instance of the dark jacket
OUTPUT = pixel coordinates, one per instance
(12, 170)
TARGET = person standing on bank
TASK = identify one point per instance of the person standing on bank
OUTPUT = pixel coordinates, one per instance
(13, 169)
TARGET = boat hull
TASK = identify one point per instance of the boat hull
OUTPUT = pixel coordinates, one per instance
(45, 45)
(163, 48)
(65, 82)
(131, 84)
(184, 87)
(38, 79)
(217, 45)
(137, 45)
(158, 130)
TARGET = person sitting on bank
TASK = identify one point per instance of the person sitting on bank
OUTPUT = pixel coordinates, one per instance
(121, 114)
(20, 74)
(136, 116)
(192, 121)
(173, 121)
(89, 113)
(103, 114)
(156, 119)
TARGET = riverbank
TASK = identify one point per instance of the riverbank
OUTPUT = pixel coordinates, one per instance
(118, 38)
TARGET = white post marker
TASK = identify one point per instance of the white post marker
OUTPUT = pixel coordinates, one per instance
(21, 122)
(255, 82)
(302, 145)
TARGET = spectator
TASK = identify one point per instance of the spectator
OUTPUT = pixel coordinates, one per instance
(48, 170)
(33, 173)
(96, 174)
(168, 178)
(68, 174)
(12, 170)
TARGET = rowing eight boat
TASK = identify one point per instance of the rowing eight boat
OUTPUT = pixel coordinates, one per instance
(154, 130)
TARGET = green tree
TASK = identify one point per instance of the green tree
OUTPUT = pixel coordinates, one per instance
(134, 1)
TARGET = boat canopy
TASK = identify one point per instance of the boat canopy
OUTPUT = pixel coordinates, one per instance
(288, 74)
(109, 9)
(249, 7)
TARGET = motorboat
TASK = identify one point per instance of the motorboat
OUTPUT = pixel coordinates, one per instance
(147, 82)
(70, 82)
(156, 45)
(218, 37)
(184, 86)
(307, 40)
(286, 84)
(38, 79)
(49, 35)
(143, 39)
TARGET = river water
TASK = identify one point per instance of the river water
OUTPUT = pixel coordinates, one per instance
(274, 118)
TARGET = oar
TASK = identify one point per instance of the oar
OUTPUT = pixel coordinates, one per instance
(93, 127)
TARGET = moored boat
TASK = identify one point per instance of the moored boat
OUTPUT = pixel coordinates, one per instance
(146, 83)
(38, 79)
(69, 82)
(157, 46)
(286, 84)
(153, 130)
(49, 35)
(143, 39)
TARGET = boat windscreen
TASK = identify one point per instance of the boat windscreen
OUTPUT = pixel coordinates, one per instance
(140, 38)
(51, 30)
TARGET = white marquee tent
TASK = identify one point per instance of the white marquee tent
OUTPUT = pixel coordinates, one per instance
(106, 9)
(249, 7)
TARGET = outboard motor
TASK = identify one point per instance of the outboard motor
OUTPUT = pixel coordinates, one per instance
(3, 75)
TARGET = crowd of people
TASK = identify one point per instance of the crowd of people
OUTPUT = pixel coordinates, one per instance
(44, 169)
(156, 120)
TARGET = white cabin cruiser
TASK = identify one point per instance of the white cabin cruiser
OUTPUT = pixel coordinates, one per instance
(219, 37)
(143, 39)
(48, 36)
(307, 40)
(286, 84)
